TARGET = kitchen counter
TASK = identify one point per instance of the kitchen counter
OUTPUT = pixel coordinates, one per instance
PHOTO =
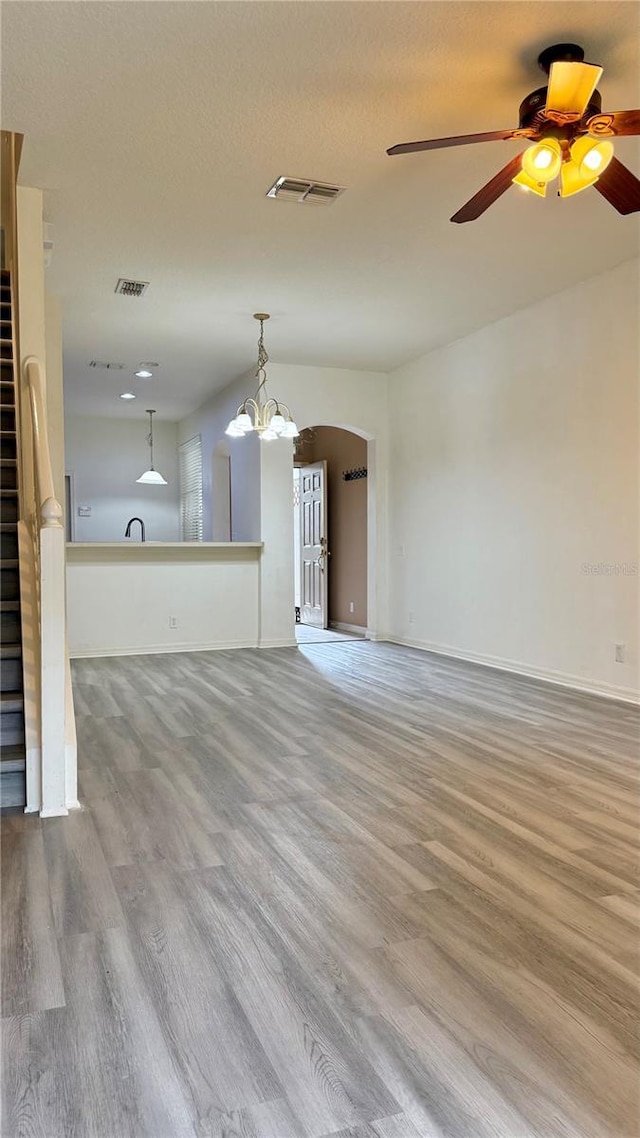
(81, 552)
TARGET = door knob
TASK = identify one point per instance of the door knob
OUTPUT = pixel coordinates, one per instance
(324, 553)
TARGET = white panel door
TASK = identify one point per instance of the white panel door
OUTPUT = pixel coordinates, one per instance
(314, 555)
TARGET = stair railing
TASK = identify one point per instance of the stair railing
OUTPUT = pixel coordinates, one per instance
(48, 539)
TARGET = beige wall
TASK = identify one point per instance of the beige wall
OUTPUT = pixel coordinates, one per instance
(514, 499)
(347, 518)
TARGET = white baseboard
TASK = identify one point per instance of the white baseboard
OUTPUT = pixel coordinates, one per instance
(547, 675)
(286, 642)
(61, 812)
(158, 649)
(340, 626)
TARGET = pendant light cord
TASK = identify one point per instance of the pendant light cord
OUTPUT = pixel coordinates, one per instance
(150, 436)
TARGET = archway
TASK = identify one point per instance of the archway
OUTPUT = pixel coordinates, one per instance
(346, 454)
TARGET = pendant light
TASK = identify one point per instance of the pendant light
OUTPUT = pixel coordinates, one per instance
(151, 477)
(271, 420)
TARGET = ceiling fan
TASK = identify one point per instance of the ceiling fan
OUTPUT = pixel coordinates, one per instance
(570, 138)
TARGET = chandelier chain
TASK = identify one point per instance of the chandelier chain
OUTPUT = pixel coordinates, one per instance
(263, 359)
(263, 355)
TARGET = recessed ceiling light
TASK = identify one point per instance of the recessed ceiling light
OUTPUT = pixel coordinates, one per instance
(144, 374)
(127, 395)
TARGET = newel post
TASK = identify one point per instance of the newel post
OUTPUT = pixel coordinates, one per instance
(52, 659)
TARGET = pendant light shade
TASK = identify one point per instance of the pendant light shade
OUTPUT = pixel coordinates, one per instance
(151, 477)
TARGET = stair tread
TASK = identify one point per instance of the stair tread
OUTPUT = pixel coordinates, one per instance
(9, 563)
(8, 491)
(8, 527)
(11, 651)
(11, 701)
(8, 462)
(9, 606)
(13, 751)
(10, 766)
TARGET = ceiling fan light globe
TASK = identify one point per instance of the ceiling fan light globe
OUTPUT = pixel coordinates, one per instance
(592, 155)
(290, 430)
(243, 422)
(543, 160)
(278, 423)
(573, 179)
(530, 185)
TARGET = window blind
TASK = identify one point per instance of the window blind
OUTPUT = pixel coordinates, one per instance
(191, 489)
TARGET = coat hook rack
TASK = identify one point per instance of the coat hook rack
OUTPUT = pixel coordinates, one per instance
(354, 474)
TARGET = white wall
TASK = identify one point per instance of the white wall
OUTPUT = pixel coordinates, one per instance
(515, 470)
(55, 393)
(213, 596)
(106, 456)
(261, 479)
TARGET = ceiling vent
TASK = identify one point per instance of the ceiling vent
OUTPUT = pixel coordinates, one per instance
(128, 287)
(104, 365)
(302, 190)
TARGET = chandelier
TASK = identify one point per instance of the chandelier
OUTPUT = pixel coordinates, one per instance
(272, 420)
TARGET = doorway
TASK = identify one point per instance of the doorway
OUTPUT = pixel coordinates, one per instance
(330, 535)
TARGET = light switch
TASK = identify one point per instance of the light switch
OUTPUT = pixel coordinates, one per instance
(84, 511)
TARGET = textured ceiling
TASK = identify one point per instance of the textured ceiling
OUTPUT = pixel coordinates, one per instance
(156, 129)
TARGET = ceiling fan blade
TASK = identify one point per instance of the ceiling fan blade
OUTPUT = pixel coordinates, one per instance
(489, 193)
(615, 122)
(620, 187)
(571, 85)
(460, 140)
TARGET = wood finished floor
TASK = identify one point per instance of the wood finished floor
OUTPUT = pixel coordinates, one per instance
(349, 890)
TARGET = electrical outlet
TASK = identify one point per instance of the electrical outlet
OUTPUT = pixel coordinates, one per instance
(620, 653)
(84, 511)
(352, 607)
(173, 622)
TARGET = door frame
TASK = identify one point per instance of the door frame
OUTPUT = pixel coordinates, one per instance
(376, 525)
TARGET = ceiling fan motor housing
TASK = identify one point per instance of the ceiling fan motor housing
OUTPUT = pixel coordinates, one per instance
(531, 113)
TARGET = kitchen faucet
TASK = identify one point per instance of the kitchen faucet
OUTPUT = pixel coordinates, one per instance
(127, 532)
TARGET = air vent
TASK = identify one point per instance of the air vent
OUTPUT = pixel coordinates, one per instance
(304, 191)
(127, 287)
(106, 366)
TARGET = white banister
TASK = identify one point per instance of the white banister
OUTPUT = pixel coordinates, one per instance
(48, 540)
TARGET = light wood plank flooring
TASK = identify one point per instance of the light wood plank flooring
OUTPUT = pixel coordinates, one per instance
(347, 890)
